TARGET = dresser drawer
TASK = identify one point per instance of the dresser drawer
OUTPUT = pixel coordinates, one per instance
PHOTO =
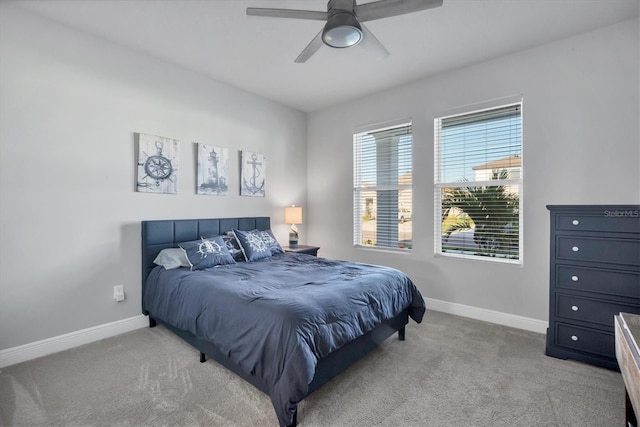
(590, 310)
(584, 339)
(604, 281)
(595, 249)
(608, 220)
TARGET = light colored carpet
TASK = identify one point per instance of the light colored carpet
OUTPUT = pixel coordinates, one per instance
(450, 371)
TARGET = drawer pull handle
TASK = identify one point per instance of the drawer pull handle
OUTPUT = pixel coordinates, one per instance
(575, 222)
(574, 338)
(574, 308)
(574, 278)
(575, 249)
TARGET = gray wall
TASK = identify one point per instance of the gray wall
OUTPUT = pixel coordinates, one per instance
(581, 146)
(69, 221)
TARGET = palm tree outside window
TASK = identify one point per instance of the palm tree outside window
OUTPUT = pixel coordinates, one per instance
(478, 183)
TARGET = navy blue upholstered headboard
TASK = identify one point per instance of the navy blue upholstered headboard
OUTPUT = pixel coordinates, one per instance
(168, 233)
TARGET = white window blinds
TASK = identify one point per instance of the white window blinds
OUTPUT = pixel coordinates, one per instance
(382, 189)
(478, 184)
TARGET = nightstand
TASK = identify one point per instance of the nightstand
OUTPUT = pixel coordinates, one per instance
(303, 249)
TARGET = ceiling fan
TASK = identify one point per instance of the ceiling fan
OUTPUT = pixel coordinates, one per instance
(344, 18)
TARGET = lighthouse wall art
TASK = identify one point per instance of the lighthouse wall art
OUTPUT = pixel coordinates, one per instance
(213, 170)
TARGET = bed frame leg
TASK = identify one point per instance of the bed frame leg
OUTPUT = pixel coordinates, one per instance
(401, 334)
(203, 357)
(152, 322)
(295, 419)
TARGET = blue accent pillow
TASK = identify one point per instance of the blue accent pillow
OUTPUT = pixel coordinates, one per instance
(206, 253)
(252, 244)
(271, 242)
(233, 246)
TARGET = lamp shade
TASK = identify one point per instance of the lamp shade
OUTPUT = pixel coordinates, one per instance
(293, 215)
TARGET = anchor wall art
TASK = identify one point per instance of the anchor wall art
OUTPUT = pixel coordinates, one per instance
(253, 174)
(157, 164)
(213, 168)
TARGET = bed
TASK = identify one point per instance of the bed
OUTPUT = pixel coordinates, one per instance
(287, 323)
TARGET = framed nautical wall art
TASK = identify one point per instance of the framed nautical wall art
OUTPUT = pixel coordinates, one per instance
(253, 169)
(157, 164)
(213, 170)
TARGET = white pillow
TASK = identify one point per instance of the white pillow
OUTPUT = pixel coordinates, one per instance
(172, 258)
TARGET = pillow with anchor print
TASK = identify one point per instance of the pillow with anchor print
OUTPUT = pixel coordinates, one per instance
(233, 246)
(206, 253)
(252, 244)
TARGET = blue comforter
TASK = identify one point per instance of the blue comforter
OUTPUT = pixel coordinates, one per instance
(275, 318)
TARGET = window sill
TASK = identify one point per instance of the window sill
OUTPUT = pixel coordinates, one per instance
(482, 259)
(384, 250)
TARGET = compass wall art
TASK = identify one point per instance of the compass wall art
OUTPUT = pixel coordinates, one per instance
(213, 170)
(252, 174)
(157, 164)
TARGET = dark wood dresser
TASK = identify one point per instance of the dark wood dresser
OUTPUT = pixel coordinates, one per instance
(594, 275)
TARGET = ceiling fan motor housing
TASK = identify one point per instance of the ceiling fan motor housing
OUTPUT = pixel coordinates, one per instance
(343, 19)
(342, 28)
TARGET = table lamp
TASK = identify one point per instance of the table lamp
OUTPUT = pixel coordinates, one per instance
(293, 216)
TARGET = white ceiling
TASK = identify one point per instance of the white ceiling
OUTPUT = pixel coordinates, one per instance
(217, 39)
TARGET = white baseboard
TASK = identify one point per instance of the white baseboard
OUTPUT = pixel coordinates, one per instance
(483, 314)
(37, 349)
(22, 353)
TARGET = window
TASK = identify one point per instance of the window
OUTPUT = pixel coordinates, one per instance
(478, 183)
(382, 192)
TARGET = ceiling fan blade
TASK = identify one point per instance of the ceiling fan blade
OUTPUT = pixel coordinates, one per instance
(372, 44)
(311, 48)
(386, 8)
(287, 13)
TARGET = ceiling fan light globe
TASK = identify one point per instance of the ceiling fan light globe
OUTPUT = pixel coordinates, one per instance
(342, 30)
(342, 37)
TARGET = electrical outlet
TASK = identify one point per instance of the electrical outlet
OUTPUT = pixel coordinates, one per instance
(118, 293)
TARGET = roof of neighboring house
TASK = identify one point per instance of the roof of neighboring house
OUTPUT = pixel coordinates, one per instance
(504, 163)
(405, 178)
